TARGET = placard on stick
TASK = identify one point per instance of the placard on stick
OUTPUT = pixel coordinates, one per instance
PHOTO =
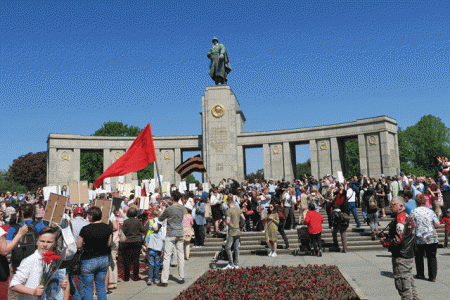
(55, 208)
(79, 192)
(117, 203)
(105, 206)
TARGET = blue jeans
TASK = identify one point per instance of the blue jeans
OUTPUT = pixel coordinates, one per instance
(76, 295)
(352, 206)
(94, 269)
(233, 242)
(154, 264)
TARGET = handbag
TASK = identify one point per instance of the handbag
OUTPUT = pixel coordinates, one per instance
(4, 268)
(122, 236)
(249, 212)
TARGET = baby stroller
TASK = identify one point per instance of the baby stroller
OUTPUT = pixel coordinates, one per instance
(303, 240)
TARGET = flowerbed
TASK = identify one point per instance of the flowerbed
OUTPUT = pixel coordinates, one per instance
(302, 282)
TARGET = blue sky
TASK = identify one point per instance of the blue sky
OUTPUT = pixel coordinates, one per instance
(70, 66)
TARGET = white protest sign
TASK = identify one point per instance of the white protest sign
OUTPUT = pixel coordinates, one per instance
(182, 187)
(121, 179)
(48, 190)
(205, 187)
(340, 177)
(192, 187)
(137, 191)
(144, 203)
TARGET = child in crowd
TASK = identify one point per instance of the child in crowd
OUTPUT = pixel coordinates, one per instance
(446, 220)
(220, 255)
(154, 243)
(26, 280)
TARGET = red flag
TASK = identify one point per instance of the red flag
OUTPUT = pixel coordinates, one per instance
(139, 155)
(143, 192)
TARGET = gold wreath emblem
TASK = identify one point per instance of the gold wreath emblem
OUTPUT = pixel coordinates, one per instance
(167, 155)
(117, 155)
(372, 140)
(323, 145)
(276, 149)
(218, 111)
(64, 155)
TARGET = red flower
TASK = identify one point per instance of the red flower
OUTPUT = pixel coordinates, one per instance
(48, 259)
(49, 253)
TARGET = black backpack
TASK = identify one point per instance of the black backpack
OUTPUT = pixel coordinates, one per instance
(26, 245)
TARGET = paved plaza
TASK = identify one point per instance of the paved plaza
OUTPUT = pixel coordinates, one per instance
(368, 272)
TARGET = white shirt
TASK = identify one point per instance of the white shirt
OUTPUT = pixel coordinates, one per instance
(153, 198)
(214, 199)
(29, 273)
(351, 195)
(2, 232)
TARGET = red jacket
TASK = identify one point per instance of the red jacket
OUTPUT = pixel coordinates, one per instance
(314, 221)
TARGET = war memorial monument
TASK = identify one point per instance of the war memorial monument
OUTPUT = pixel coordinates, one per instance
(223, 142)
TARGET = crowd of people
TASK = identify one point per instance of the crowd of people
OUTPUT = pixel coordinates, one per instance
(163, 232)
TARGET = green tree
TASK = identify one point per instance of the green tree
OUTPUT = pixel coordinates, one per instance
(352, 167)
(258, 175)
(6, 184)
(29, 170)
(92, 161)
(304, 169)
(190, 179)
(420, 142)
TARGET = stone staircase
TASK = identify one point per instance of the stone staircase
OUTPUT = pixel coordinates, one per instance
(253, 243)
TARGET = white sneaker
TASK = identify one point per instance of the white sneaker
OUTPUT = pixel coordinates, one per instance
(270, 254)
(228, 267)
(274, 255)
(235, 267)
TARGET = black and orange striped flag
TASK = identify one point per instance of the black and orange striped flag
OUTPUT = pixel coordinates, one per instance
(194, 164)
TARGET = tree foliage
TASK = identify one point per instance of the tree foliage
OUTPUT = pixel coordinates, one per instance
(29, 170)
(6, 184)
(92, 161)
(190, 179)
(352, 163)
(420, 142)
(304, 169)
(258, 175)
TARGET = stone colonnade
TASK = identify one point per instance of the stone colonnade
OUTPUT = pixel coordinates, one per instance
(224, 140)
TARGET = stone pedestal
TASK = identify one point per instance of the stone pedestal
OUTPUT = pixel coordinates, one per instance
(222, 122)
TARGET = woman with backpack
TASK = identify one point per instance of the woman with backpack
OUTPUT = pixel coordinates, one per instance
(372, 214)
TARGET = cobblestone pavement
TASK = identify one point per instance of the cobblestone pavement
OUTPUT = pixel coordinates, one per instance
(369, 273)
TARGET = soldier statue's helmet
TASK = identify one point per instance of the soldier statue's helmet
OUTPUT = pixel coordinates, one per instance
(215, 39)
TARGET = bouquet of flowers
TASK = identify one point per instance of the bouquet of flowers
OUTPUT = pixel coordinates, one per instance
(51, 263)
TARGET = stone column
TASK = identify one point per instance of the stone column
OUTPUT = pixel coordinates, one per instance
(373, 155)
(52, 167)
(335, 157)
(276, 161)
(241, 163)
(388, 153)
(220, 124)
(314, 158)
(177, 162)
(288, 161)
(75, 164)
(362, 154)
(397, 155)
(267, 166)
(324, 157)
(166, 164)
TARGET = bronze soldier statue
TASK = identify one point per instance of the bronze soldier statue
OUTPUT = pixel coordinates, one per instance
(220, 65)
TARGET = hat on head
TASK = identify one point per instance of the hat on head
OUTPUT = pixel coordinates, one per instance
(448, 210)
(401, 173)
(215, 39)
(78, 211)
(382, 175)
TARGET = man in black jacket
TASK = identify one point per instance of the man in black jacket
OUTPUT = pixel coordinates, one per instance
(400, 242)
